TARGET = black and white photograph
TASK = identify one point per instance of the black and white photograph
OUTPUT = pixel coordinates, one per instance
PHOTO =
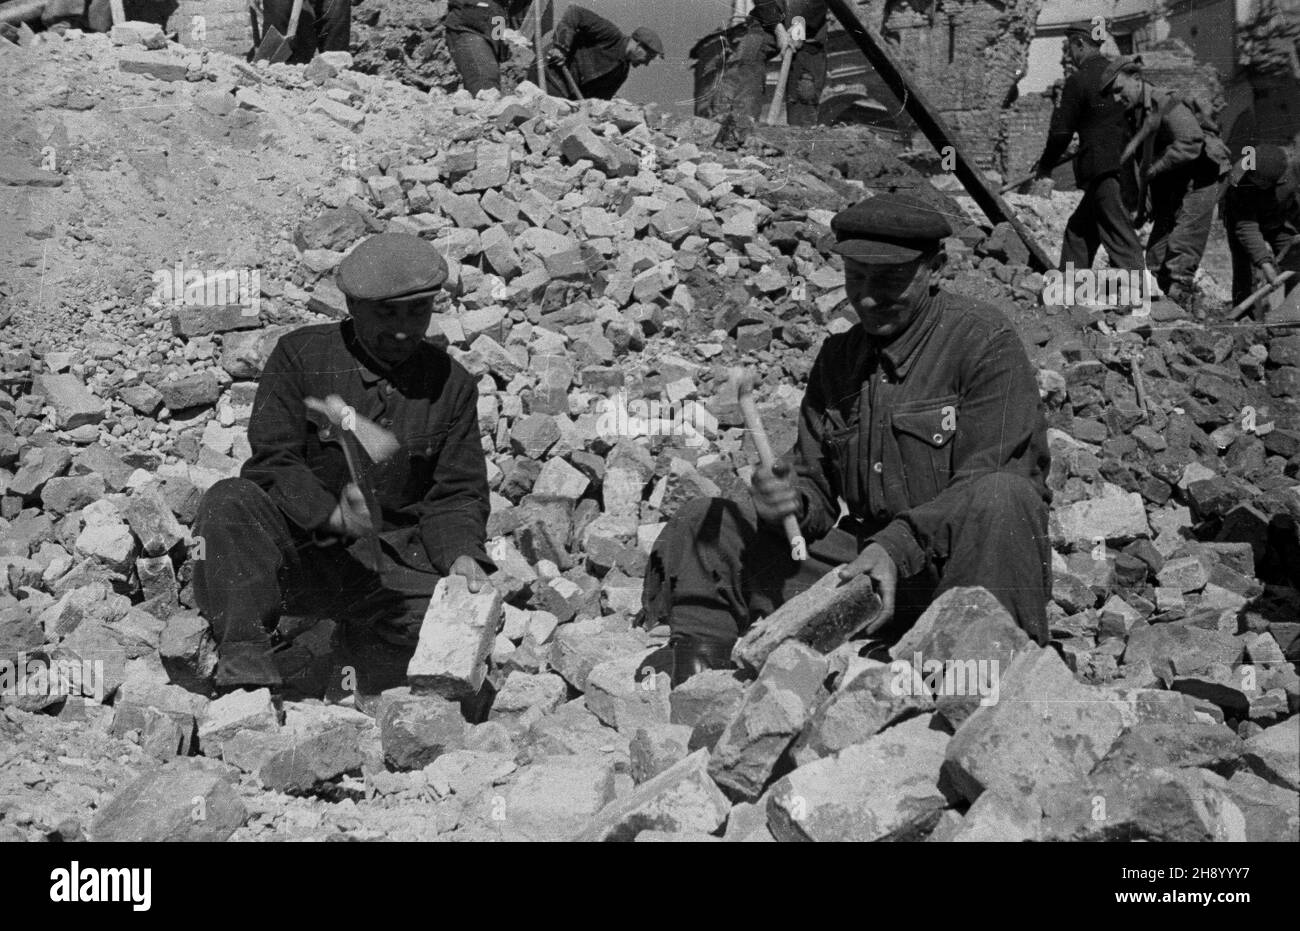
(699, 421)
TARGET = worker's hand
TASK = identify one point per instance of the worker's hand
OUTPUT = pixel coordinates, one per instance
(555, 56)
(256, 7)
(351, 518)
(468, 568)
(1270, 272)
(783, 38)
(876, 563)
(774, 494)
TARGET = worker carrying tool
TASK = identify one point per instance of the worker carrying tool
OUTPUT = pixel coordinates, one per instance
(792, 28)
(320, 26)
(1261, 211)
(314, 526)
(1101, 219)
(591, 57)
(924, 417)
(1181, 164)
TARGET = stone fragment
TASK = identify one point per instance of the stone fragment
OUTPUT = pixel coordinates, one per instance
(555, 797)
(1115, 517)
(233, 712)
(575, 651)
(774, 711)
(188, 650)
(179, 801)
(1156, 805)
(961, 646)
(199, 389)
(1045, 729)
(456, 637)
(524, 693)
(824, 616)
(73, 403)
(874, 699)
(414, 730)
(682, 798)
(152, 521)
(706, 703)
(616, 697)
(886, 788)
(656, 747)
(1000, 816)
(318, 744)
(1274, 755)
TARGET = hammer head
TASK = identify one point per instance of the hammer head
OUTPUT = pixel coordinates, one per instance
(378, 443)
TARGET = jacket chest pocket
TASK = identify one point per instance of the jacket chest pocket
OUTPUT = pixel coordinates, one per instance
(924, 431)
(840, 446)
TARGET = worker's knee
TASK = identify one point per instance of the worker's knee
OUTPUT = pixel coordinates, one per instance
(1004, 491)
(229, 497)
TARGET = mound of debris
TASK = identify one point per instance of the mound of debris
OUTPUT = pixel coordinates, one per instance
(607, 269)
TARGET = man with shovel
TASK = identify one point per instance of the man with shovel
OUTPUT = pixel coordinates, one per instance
(304, 27)
(591, 57)
(367, 482)
(1262, 214)
(924, 418)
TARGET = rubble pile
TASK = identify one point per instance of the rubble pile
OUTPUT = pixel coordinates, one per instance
(607, 268)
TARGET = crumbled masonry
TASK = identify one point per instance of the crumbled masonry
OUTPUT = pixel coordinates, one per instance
(171, 212)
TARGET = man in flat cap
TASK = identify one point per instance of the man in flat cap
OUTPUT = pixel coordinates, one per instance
(924, 418)
(294, 536)
(596, 53)
(1181, 165)
(1101, 219)
(1262, 214)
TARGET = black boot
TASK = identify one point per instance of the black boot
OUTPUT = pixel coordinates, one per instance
(684, 656)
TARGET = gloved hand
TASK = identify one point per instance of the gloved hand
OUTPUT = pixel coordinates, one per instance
(555, 56)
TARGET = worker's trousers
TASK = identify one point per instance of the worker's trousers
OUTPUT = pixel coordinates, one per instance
(1101, 219)
(1182, 213)
(256, 567)
(323, 26)
(715, 569)
(475, 56)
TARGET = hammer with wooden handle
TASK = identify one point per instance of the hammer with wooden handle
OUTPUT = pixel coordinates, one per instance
(744, 382)
(355, 433)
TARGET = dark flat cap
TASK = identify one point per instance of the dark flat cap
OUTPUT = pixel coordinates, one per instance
(392, 267)
(889, 229)
(1082, 31)
(650, 39)
(1130, 64)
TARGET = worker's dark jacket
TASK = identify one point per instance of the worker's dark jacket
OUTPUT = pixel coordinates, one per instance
(595, 49)
(433, 493)
(1259, 220)
(953, 398)
(1099, 121)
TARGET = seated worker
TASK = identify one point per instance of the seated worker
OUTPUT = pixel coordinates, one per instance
(924, 417)
(293, 535)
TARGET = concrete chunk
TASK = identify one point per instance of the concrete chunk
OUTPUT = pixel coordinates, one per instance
(455, 640)
(416, 730)
(554, 798)
(621, 702)
(233, 712)
(74, 404)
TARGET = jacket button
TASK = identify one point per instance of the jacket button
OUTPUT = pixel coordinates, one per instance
(878, 467)
(938, 437)
(386, 421)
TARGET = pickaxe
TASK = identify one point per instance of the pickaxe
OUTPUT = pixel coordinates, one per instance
(744, 382)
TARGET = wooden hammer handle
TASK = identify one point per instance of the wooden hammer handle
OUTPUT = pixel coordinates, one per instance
(754, 424)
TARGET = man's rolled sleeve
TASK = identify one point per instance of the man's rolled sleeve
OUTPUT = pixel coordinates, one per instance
(998, 419)
(454, 512)
(277, 435)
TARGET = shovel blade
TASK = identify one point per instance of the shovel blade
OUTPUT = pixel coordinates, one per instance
(273, 48)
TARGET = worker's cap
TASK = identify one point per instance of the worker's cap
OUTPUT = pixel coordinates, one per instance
(1125, 64)
(650, 39)
(1270, 166)
(889, 229)
(392, 267)
(1082, 31)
